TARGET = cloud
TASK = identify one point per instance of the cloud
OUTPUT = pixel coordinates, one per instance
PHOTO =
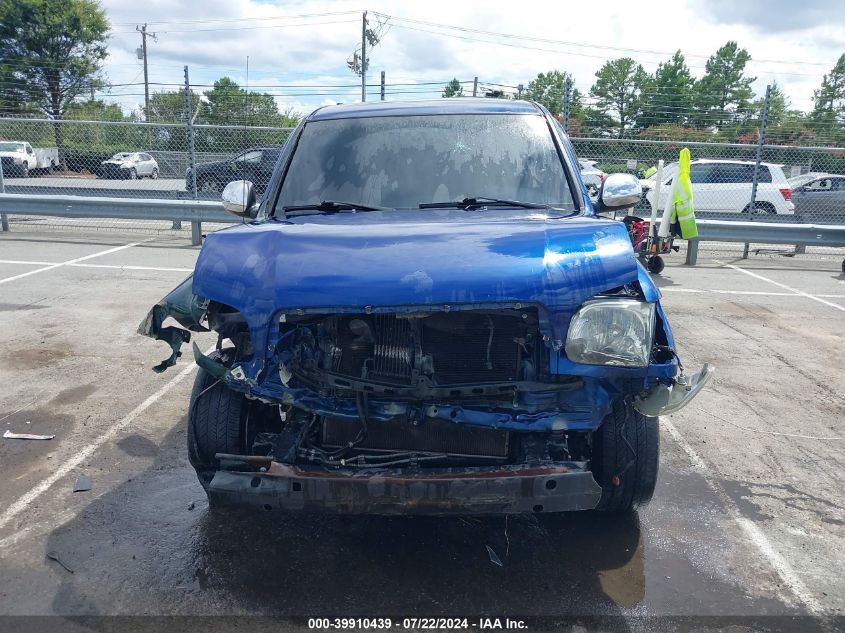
(774, 16)
(314, 53)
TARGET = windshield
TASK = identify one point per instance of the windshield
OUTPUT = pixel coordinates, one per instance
(11, 147)
(405, 161)
(121, 156)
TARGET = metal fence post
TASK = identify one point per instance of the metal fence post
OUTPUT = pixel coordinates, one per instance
(761, 138)
(4, 219)
(196, 226)
(567, 105)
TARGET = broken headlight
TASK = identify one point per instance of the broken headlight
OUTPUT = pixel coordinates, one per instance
(612, 332)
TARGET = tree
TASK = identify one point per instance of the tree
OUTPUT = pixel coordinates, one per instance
(227, 104)
(168, 106)
(618, 92)
(55, 49)
(723, 94)
(548, 89)
(668, 99)
(453, 89)
(829, 99)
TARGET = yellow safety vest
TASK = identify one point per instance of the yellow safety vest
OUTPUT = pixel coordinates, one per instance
(683, 211)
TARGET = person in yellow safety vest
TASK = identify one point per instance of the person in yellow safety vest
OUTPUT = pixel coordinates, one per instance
(683, 211)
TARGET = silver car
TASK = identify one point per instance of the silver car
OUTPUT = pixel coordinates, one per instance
(592, 176)
(803, 179)
(131, 165)
(821, 200)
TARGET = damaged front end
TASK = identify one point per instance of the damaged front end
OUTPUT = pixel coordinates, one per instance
(482, 408)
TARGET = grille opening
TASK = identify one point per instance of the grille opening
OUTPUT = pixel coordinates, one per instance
(457, 348)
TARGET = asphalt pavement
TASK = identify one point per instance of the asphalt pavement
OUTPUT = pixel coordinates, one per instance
(745, 529)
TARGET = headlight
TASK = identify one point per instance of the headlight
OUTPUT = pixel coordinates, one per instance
(612, 332)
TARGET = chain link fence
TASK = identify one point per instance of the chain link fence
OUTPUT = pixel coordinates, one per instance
(791, 184)
(730, 181)
(130, 160)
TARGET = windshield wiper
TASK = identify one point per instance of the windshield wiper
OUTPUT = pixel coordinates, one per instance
(333, 206)
(482, 201)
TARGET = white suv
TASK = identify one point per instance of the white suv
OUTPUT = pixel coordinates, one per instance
(724, 186)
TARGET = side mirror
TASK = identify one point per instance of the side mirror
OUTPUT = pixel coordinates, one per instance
(239, 198)
(619, 191)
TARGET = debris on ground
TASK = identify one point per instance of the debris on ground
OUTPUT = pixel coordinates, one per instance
(83, 483)
(191, 506)
(52, 555)
(9, 435)
(494, 558)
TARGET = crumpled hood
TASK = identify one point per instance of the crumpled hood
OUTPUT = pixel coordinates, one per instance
(430, 257)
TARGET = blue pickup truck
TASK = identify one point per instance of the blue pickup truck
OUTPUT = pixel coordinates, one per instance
(424, 313)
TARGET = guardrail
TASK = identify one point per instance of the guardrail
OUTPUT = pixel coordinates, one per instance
(198, 211)
(801, 235)
(194, 211)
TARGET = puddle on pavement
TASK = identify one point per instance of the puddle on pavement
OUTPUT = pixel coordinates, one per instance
(152, 545)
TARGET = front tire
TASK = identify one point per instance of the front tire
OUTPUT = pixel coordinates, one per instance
(154, 175)
(625, 458)
(216, 421)
(656, 264)
(133, 174)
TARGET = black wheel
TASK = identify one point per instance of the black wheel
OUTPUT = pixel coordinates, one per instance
(216, 421)
(24, 170)
(656, 264)
(209, 184)
(133, 174)
(625, 458)
(761, 208)
(154, 175)
(843, 266)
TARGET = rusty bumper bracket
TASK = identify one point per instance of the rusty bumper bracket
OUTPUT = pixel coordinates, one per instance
(496, 490)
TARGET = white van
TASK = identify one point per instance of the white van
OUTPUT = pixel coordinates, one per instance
(724, 186)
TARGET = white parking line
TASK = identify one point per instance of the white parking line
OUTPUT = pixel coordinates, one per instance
(784, 286)
(752, 531)
(71, 261)
(107, 266)
(78, 458)
(742, 292)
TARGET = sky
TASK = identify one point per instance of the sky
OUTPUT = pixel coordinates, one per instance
(294, 49)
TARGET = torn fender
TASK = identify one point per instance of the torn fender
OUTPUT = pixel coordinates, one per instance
(185, 308)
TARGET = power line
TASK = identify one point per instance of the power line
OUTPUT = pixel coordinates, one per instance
(581, 44)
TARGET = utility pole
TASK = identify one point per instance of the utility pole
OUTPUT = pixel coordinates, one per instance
(143, 31)
(382, 85)
(364, 57)
(519, 90)
(475, 87)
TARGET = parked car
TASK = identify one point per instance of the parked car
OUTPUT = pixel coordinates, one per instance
(19, 158)
(803, 179)
(592, 176)
(724, 186)
(821, 199)
(255, 164)
(426, 315)
(129, 165)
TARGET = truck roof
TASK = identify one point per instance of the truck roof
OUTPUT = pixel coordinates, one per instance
(459, 105)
